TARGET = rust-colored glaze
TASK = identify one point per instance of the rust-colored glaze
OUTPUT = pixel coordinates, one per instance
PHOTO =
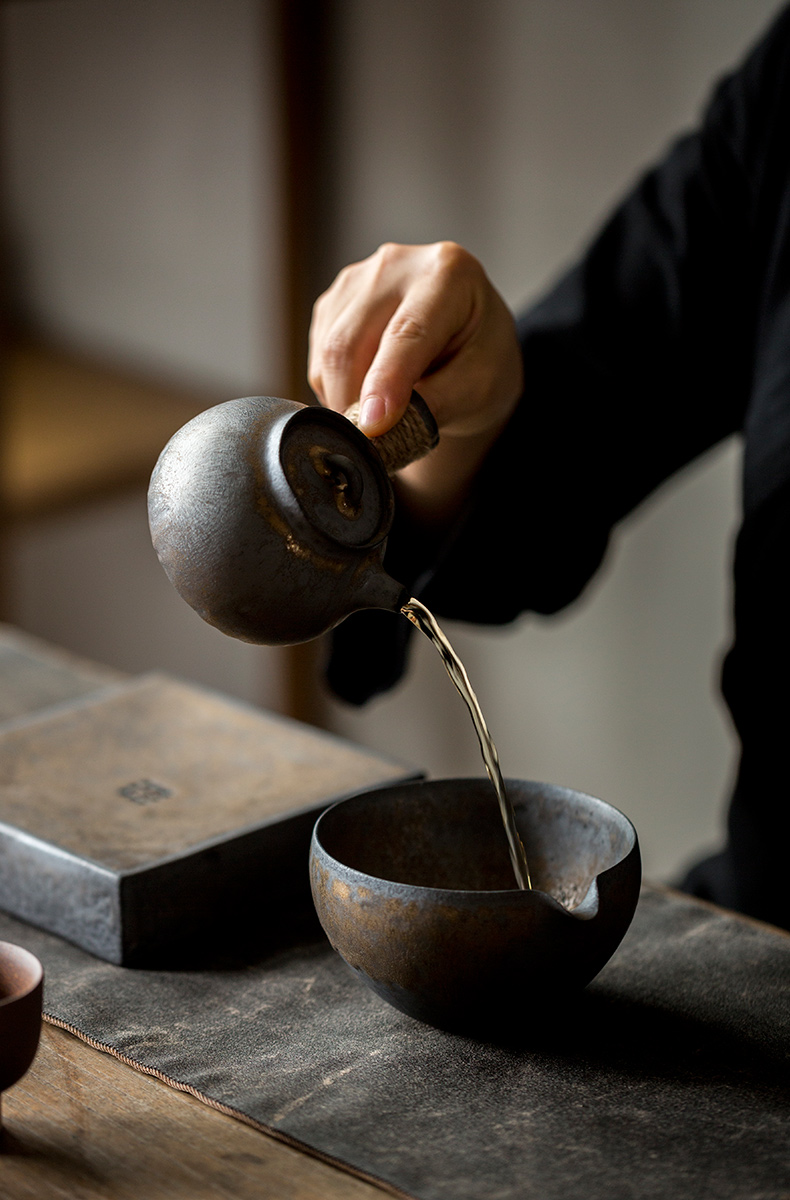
(21, 990)
(413, 888)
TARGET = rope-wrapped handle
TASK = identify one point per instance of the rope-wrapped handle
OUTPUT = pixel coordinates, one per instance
(415, 434)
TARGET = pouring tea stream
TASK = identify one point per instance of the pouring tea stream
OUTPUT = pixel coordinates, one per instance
(270, 518)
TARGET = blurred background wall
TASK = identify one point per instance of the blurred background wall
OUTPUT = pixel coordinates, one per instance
(142, 187)
(142, 215)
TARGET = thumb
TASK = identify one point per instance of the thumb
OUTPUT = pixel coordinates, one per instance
(416, 336)
(404, 354)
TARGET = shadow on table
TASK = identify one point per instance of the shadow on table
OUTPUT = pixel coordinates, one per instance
(678, 1038)
(246, 940)
(57, 1165)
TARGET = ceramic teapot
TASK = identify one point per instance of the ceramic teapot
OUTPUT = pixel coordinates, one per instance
(271, 517)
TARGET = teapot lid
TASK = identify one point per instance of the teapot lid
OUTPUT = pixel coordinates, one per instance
(336, 477)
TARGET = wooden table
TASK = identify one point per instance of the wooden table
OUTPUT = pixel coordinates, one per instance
(82, 1124)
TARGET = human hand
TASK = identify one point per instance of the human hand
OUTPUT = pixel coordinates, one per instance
(424, 317)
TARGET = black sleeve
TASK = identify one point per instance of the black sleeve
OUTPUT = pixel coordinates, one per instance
(637, 361)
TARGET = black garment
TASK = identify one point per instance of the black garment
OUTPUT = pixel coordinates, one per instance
(672, 333)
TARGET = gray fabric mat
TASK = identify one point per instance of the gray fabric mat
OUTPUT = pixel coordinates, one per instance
(666, 1078)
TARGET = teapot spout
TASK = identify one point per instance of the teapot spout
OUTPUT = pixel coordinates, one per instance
(377, 589)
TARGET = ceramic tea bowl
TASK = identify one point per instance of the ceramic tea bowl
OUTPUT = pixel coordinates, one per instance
(21, 990)
(413, 886)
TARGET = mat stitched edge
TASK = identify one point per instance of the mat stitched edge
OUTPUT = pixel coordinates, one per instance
(276, 1134)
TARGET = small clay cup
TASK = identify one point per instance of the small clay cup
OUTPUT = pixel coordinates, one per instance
(21, 993)
(413, 886)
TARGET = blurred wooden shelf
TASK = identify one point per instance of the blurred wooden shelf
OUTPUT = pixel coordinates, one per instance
(75, 431)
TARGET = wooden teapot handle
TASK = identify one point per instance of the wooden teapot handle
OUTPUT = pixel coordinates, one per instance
(415, 434)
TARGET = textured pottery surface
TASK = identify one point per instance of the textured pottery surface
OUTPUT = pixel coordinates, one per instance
(270, 519)
(21, 990)
(414, 889)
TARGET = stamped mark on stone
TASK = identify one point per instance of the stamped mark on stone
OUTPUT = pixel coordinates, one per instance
(144, 791)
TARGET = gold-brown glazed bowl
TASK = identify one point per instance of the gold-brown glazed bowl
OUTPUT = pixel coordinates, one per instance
(21, 992)
(413, 887)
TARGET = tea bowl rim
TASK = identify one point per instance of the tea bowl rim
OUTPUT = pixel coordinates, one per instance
(34, 962)
(586, 909)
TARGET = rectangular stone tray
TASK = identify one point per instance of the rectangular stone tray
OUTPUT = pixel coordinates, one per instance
(151, 813)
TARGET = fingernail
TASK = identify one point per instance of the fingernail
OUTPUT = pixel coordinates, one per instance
(372, 412)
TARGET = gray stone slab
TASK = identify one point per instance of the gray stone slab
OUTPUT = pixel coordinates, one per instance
(137, 815)
(35, 675)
